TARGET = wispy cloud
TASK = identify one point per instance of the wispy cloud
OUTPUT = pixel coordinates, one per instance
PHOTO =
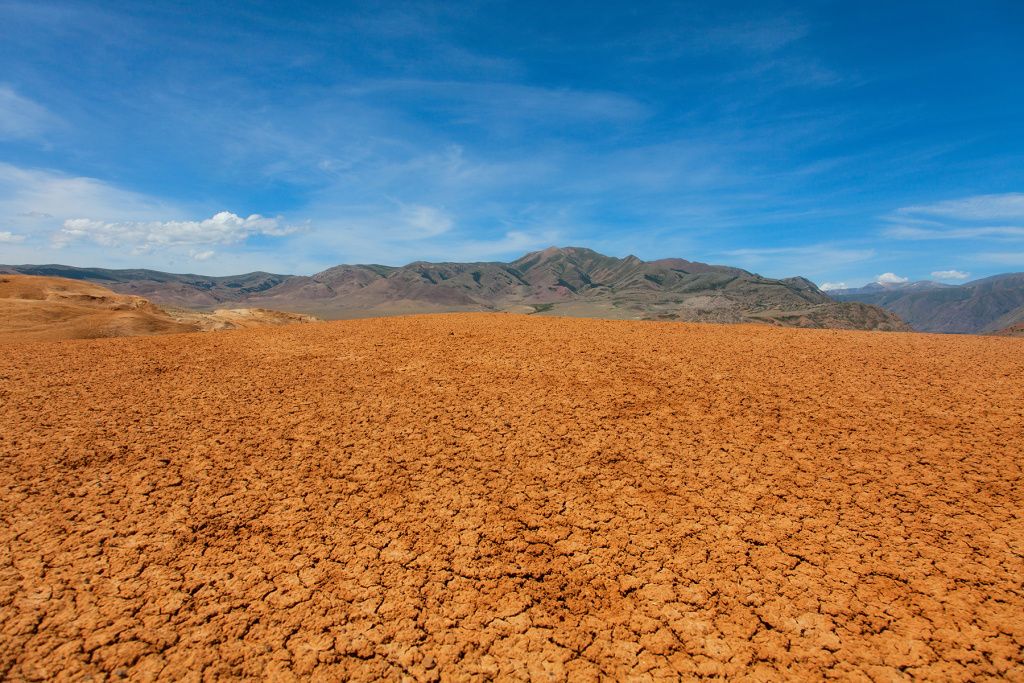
(767, 35)
(985, 207)
(891, 279)
(832, 286)
(1012, 259)
(967, 218)
(499, 104)
(950, 275)
(36, 195)
(372, 233)
(22, 118)
(755, 36)
(910, 232)
(513, 242)
(812, 259)
(8, 237)
(420, 222)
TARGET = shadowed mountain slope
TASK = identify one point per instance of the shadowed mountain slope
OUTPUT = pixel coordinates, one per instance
(987, 305)
(568, 281)
(1016, 330)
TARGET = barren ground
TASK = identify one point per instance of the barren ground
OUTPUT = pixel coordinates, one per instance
(39, 309)
(465, 496)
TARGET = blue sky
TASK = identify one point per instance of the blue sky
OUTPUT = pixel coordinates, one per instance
(837, 140)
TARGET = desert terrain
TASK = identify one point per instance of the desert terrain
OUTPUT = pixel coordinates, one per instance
(470, 496)
(37, 308)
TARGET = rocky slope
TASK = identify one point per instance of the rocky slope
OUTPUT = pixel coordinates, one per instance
(1016, 330)
(980, 306)
(36, 308)
(557, 281)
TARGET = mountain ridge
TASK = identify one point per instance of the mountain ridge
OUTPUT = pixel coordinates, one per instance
(881, 287)
(981, 306)
(573, 281)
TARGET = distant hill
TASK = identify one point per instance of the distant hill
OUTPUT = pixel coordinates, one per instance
(874, 288)
(557, 281)
(980, 306)
(1015, 330)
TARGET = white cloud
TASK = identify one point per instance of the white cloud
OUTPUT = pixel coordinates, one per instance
(808, 260)
(8, 237)
(910, 232)
(985, 207)
(832, 286)
(344, 225)
(420, 222)
(142, 236)
(950, 275)
(20, 117)
(367, 239)
(891, 279)
(814, 249)
(987, 216)
(39, 194)
(514, 242)
(114, 227)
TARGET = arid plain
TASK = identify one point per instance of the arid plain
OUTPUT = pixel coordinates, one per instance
(477, 495)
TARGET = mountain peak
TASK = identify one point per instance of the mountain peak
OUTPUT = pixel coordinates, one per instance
(554, 251)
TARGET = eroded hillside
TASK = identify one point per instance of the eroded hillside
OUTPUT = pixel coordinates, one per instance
(37, 308)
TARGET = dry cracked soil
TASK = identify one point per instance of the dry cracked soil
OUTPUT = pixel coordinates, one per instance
(460, 497)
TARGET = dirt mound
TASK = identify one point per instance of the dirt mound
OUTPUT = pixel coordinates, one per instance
(238, 318)
(480, 496)
(35, 308)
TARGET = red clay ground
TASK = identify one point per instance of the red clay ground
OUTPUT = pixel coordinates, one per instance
(470, 496)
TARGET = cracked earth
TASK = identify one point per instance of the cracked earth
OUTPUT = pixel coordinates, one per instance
(474, 496)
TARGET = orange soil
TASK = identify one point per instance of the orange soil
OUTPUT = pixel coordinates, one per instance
(35, 308)
(475, 495)
(50, 308)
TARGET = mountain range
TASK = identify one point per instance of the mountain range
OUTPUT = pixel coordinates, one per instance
(570, 281)
(982, 306)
